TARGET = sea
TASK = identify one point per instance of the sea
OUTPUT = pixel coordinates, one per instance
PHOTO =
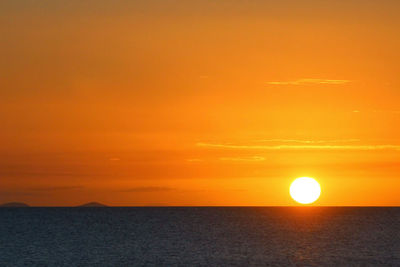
(200, 236)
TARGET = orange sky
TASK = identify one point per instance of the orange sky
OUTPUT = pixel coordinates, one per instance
(199, 102)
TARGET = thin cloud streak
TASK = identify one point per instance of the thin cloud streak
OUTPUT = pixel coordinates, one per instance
(309, 141)
(18, 193)
(300, 147)
(309, 81)
(255, 158)
(145, 189)
(194, 160)
(388, 111)
(57, 188)
(32, 191)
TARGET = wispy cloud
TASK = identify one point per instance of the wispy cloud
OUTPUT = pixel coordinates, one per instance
(56, 188)
(13, 193)
(300, 147)
(309, 81)
(388, 111)
(254, 158)
(31, 191)
(194, 160)
(310, 141)
(145, 189)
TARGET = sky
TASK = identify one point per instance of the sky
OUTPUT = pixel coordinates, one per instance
(202, 103)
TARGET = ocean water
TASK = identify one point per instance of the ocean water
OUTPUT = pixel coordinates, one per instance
(201, 236)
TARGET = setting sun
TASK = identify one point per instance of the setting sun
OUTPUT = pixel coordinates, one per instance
(305, 190)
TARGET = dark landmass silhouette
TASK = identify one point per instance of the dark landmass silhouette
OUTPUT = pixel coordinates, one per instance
(14, 205)
(92, 205)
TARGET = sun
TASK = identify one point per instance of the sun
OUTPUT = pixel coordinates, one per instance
(305, 190)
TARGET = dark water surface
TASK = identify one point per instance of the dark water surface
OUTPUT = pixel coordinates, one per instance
(199, 236)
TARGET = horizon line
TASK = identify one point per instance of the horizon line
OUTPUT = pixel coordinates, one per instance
(216, 206)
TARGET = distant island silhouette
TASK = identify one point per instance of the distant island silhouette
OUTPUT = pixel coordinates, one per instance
(92, 205)
(14, 205)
